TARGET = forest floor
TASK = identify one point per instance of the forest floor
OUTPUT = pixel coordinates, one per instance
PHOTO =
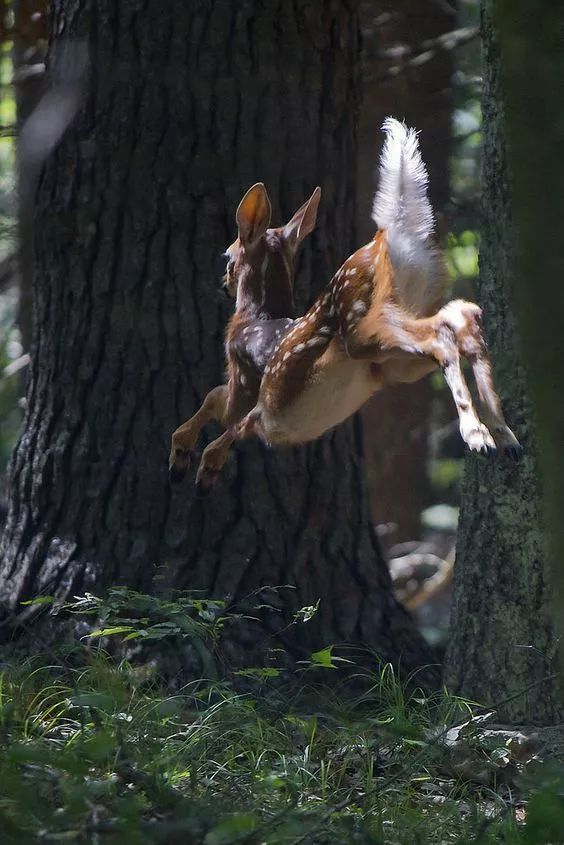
(96, 749)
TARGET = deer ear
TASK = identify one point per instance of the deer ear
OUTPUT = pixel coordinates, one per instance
(253, 214)
(304, 220)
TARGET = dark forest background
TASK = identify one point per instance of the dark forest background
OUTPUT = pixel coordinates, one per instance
(353, 641)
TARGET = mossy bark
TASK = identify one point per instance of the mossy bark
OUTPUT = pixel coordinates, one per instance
(186, 105)
(532, 40)
(502, 634)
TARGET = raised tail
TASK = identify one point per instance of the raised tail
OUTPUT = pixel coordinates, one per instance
(401, 206)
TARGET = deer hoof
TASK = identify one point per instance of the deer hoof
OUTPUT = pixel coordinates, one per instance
(176, 474)
(479, 440)
(514, 452)
(205, 481)
(178, 465)
(202, 490)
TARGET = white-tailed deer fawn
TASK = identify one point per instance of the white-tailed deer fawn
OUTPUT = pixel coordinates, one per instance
(260, 273)
(375, 324)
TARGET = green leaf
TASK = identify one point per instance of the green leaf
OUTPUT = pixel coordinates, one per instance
(231, 830)
(304, 614)
(108, 632)
(99, 747)
(38, 600)
(259, 673)
(100, 700)
(545, 819)
(324, 657)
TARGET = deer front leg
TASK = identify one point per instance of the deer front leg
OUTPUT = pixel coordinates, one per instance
(215, 454)
(184, 439)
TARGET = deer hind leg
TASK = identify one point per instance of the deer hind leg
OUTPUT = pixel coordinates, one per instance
(472, 345)
(215, 454)
(393, 338)
(184, 439)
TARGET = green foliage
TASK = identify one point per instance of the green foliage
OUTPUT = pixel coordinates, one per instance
(462, 255)
(97, 750)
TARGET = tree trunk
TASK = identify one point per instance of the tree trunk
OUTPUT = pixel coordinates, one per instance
(502, 637)
(30, 37)
(396, 423)
(187, 105)
(535, 124)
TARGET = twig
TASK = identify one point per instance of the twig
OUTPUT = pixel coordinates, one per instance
(408, 56)
(445, 41)
(15, 366)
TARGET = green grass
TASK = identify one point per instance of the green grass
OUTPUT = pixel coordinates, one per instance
(94, 750)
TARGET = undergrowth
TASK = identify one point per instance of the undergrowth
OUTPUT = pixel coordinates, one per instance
(94, 750)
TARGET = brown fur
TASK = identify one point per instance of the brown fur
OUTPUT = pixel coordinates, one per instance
(357, 337)
(260, 274)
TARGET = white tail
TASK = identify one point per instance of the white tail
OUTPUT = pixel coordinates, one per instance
(401, 206)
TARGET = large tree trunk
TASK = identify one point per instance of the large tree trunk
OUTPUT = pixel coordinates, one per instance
(187, 105)
(535, 122)
(30, 38)
(396, 423)
(502, 636)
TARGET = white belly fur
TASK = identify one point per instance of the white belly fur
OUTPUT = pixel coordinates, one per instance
(332, 395)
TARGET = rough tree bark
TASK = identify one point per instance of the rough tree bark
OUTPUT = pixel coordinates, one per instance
(396, 423)
(187, 104)
(30, 40)
(535, 123)
(502, 636)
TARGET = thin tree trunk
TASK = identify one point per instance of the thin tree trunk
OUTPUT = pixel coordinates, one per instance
(396, 423)
(187, 105)
(502, 636)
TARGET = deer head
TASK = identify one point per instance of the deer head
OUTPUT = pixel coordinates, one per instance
(260, 263)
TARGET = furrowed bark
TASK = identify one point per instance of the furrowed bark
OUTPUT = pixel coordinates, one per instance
(502, 633)
(186, 105)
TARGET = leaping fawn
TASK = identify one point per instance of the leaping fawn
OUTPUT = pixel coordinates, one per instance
(260, 273)
(375, 324)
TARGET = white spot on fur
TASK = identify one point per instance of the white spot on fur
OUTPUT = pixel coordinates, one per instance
(299, 347)
(359, 307)
(316, 341)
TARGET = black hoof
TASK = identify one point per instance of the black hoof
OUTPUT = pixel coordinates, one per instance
(514, 452)
(484, 451)
(176, 475)
(202, 490)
